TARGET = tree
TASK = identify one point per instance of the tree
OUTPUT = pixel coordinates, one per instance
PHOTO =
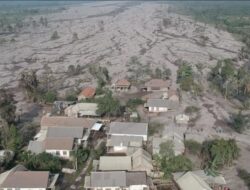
(75, 37)
(219, 153)
(239, 122)
(80, 155)
(49, 97)
(42, 161)
(166, 73)
(29, 83)
(178, 163)
(193, 147)
(12, 139)
(167, 149)
(55, 36)
(7, 106)
(109, 106)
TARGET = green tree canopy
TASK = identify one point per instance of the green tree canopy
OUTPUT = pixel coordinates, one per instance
(7, 106)
(109, 106)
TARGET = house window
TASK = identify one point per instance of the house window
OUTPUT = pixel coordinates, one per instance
(64, 153)
(57, 153)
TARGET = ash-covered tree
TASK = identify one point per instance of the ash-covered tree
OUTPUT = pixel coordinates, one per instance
(7, 106)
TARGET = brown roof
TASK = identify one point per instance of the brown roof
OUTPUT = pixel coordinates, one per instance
(26, 179)
(88, 92)
(62, 121)
(158, 83)
(58, 143)
(122, 82)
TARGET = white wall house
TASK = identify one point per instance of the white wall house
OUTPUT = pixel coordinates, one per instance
(160, 105)
(60, 147)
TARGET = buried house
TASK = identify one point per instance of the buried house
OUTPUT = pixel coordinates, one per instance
(160, 105)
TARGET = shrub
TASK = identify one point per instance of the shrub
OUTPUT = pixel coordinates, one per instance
(49, 97)
(55, 36)
(155, 128)
(193, 147)
(133, 103)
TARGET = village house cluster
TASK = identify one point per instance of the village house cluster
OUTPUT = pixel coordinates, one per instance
(128, 161)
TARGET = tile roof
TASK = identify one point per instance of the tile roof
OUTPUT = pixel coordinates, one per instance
(128, 128)
(58, 143)
(122, 82)
(88, 92)
(72, 132)
(113, 163)
(158, 83)
(26, 179)
(62, 121)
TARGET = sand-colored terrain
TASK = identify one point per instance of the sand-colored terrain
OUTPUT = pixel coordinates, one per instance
(110, 33)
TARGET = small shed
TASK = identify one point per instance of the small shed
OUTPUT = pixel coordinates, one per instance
(182, 119)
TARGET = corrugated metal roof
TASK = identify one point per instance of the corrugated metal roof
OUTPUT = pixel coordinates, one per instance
(161, 103)
(116, 140)
(128, 128)
(58, 143)
(108, 179)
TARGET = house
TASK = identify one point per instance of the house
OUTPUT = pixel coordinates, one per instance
(122, 85)
(82, 110)
(22, 179)
(65, 130)
(116, 180)
(142, 161)
(115, 163)
(190, 181)
(215, 182)
(88, 92)
(62, 121)
(129, 129)
(61, 147)
(160, 105)
(124, 145)
(182, 119)
(157, 85)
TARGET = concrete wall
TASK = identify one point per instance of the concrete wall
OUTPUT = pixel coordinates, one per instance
(157, 109)
(61, 155)
(145, 137)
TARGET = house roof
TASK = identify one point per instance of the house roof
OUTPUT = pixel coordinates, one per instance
(36, 147)
(58, 143)
(129, 141)
(72, 132)
(83, 109)
(142, 159)
(190, 181)
(161, 103)
(158, 83)
(108, 179)
(136, 178)
(128, 128)
(219, 179)
(88, 92)
(117, 179)
(113, 163)
(62, 121)
(122, 82)
(26, 179)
